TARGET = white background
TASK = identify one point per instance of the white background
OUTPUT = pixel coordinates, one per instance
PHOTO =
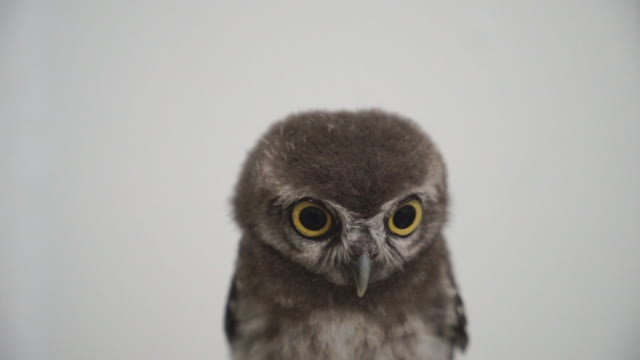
(124, 125)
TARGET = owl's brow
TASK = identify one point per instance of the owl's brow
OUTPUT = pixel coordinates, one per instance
(426, 193)
(288, 196)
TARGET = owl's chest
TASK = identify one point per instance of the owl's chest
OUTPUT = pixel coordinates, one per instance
(333, 334)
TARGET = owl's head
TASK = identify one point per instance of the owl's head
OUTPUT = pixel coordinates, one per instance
(350, 196)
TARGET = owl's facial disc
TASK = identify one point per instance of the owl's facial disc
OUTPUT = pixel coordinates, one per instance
(349, 248)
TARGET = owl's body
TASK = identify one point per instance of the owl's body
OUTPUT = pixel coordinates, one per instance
(342, 254)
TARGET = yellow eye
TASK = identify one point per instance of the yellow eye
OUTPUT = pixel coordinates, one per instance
(406, 218)
(310, 220)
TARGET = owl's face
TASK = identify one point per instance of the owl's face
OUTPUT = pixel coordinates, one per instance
(351, 196)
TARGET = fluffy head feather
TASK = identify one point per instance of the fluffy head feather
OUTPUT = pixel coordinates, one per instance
(360, 166)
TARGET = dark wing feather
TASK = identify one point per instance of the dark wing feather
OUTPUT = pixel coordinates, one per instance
(459, 328)
(229, 316)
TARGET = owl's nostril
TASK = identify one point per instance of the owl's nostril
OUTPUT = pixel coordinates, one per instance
(363, 247)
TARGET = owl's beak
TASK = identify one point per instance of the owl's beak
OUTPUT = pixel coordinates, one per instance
(361, 269)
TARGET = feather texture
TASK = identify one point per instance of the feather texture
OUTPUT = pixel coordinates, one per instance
(293, 297)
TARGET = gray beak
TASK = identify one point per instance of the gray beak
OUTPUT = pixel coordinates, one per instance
(361, 270)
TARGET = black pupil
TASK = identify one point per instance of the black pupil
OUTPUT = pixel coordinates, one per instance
(404, 217)
(313, 218)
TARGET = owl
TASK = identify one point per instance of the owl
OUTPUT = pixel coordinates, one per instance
(342, 254)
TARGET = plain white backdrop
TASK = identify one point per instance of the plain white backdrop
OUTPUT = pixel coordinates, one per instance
(124, 125)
